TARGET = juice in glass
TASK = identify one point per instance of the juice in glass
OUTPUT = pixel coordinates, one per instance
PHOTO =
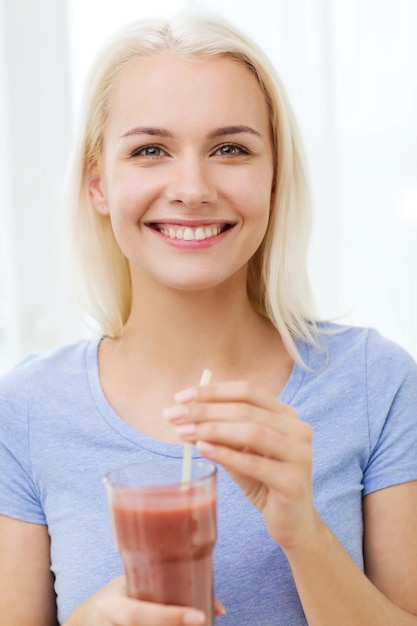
(165, 531)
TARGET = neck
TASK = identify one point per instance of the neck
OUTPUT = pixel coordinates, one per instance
(185, 332)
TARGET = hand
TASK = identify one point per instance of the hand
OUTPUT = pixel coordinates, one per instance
(263, 445)
(112, 607)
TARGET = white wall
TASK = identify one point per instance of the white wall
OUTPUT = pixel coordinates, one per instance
(91, 22)
(375, 84)
(35, 118)
(349, 67)
(350, 70)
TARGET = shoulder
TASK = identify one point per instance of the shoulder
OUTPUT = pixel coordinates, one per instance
(64, 357)
(38, 374)
(363, 347)
(361, 358)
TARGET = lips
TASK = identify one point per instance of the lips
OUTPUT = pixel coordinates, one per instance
(190, 233)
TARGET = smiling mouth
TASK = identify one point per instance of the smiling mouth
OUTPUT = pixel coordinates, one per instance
(191, 233)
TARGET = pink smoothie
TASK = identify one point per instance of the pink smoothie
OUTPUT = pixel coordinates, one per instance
(166, 542)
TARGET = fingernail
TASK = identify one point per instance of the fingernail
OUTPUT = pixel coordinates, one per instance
(173, 412)
(220, 609)
(204, 447)
(185, 430)
(194, 618)
(186, 395)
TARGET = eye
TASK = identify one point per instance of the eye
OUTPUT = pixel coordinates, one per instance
(231, 149)
(150, 151)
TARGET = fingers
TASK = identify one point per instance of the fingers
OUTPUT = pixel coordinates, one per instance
(229, 391)
(251, 437)
(122, 611)
(261, 443)
(243, 417)
(231, 401)
(110, 606)
(290, 483)
(219, 607)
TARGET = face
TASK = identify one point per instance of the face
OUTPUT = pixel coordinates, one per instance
(187, 169)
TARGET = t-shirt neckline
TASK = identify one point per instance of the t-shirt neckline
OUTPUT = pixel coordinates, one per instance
(135, 437)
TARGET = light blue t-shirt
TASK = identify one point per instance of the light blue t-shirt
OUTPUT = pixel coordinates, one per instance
(59, 437)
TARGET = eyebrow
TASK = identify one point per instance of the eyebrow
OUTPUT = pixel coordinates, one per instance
(232, 130)
(145, 130)
(218, 132)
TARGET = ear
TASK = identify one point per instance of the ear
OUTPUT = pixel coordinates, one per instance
(95, 189)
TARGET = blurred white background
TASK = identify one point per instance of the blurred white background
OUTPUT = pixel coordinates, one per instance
(350, 70)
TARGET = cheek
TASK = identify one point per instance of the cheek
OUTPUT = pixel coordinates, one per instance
(256, 197)
(256, 185)
(128, 198)
(124, 214)
(258, 211)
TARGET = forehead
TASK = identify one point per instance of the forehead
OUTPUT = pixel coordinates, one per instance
(175, 88)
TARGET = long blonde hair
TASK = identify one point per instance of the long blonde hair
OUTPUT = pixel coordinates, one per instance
(278, 283)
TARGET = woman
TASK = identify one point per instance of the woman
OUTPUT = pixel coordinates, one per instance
(191, 222)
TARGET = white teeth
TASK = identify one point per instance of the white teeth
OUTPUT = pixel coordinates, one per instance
(190, 234)
(200, 234)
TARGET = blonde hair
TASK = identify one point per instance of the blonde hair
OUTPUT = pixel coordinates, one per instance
(278, 283)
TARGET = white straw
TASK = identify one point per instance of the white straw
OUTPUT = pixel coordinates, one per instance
(188, 448)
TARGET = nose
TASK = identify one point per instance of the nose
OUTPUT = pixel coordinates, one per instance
(190, 183)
